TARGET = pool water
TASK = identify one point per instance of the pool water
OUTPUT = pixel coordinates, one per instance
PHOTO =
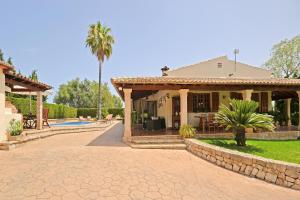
(71, 124)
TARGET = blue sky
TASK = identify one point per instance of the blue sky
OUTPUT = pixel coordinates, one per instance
(49, 35)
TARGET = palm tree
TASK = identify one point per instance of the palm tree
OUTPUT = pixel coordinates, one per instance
(240, 115)
(100, 42)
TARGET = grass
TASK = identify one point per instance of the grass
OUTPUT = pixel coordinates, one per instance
(288, 150)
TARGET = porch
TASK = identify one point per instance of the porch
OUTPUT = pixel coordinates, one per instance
(185, 101)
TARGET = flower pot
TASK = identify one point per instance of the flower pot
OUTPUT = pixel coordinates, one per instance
(14, 138)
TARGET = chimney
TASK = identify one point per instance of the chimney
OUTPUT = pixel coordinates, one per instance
(164, 70)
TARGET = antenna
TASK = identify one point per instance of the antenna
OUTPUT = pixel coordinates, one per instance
(235, 51)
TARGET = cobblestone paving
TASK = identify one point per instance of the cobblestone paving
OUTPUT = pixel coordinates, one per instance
(73, 167)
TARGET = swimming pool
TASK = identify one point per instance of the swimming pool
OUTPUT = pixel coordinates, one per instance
(71, 124)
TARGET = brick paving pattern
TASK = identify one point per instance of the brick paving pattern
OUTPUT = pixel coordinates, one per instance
(99, 166)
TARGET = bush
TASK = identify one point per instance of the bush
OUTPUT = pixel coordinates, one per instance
(56, 111)
(93, 112)
(15, 127)
(187, 131)
(116, 111)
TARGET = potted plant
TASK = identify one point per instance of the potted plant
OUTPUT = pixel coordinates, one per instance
(240, 115)
(187, 131)
(14, 131)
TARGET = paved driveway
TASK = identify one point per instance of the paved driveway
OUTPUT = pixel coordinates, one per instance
(95, 166)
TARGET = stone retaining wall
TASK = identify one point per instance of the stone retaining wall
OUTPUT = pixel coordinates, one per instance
(277, 172)
(289, 135)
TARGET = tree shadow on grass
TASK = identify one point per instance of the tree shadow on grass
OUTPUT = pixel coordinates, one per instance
(232, 145)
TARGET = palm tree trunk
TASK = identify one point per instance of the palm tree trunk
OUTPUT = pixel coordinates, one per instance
(99, 92)
(240, 137)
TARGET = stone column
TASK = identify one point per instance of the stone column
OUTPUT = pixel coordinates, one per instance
(183, 106)
(127, 114)
(247, 95)
(39, 110)
(288, 110)
(270, 101)
(2, 107)
(298, 92)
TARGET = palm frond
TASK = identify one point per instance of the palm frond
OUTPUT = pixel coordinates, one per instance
(242, 114)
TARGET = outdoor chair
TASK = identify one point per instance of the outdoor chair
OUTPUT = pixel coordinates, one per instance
(45, 117)
(108, 118)
(211, 123)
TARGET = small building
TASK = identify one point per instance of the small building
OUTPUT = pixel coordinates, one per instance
(182, 95)
(16, 83)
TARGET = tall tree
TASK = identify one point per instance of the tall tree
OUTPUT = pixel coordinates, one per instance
(1, 55)
(9, 61)
(33, 75)
(285, 58)
(84, 94)
(100, 42)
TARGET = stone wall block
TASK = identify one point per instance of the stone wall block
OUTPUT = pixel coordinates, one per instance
(254, 172)
(261, 175)
(248, 170)
(292, 173)
(271, 177)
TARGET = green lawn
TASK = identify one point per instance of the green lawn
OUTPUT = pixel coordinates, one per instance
(288, 150)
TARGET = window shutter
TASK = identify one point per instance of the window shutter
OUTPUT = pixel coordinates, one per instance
(190, 102)
(215, 101)
(264, 102)
(255, 97)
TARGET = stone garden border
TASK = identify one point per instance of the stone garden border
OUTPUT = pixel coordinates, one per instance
(273, 171)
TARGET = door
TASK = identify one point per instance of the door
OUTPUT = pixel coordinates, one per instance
(175, 112)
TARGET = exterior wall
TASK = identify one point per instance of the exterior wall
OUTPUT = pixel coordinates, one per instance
(166, 109)
(277, 172)
(211, 69)
(2, 107)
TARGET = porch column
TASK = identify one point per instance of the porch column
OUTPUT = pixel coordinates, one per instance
(298, 92)
(39, 110)
(127, 115)
(288, 110)
(247, 95)
(183, 106)
(2, 107)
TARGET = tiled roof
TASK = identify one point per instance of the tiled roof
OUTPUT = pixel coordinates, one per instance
(208, 81)
(26, 80)
(6, 65)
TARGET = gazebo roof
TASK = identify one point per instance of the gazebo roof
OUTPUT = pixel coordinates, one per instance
(23, 83)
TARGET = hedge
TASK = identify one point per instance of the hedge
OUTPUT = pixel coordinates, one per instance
(56, 111)
(93, 112)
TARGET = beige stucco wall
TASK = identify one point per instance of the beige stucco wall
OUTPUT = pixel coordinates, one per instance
(2, 106)
(166, 109)
(210, 69)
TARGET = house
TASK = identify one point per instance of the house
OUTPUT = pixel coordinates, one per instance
(180, 95)
(11, 82)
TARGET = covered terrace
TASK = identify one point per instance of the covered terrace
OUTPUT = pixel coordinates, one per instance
(12, 82)
(163, 90)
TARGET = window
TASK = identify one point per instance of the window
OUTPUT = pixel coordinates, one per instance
(219, 65)
(201, 102)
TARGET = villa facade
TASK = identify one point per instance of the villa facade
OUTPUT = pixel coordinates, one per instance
(180, 95)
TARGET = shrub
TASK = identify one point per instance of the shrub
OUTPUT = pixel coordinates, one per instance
(93, 112)
(116, 111)
(15, 127)
(56, 111)
(187, 131)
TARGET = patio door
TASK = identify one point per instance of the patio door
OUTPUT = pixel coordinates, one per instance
(176, 112)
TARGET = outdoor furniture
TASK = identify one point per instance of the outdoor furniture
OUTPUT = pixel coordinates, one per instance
(45, 117)
(155, 124)
(108, 118)
(29, 121)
